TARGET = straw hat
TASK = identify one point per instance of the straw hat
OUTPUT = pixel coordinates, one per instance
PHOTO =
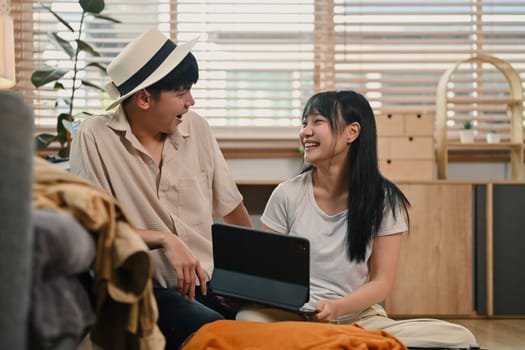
(143, 62)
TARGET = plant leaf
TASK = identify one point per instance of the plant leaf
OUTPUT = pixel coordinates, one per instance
(66, 117)
(58, 86)
(87, 83)
(61, 130)
(58, 17)
(83, 46)
(44, 76)
(98, 65)
(107, 18)
(62, 44)
(92, 6)
(42, 141)
(62, 137)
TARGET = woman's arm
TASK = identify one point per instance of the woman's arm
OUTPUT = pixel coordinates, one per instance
(382, 270)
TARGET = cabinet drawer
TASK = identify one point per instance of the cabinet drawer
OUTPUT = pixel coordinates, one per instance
(411, 147)
(407, 169)
(390, 124)
(419, 124)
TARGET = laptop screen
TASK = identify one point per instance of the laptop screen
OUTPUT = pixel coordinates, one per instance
(270, 255)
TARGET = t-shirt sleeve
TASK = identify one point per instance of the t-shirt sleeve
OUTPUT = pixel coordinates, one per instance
(393, 224)
(275, 214)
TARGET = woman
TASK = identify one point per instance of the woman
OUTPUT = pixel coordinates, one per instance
(354, 218)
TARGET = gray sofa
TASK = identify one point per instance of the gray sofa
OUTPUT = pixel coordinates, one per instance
(45, 256)
(16, 238)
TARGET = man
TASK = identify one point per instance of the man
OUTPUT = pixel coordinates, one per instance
(166, 170)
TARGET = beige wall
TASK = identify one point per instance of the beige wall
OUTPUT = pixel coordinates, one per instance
(279, 169)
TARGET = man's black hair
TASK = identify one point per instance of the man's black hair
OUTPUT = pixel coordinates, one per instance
(183, 76)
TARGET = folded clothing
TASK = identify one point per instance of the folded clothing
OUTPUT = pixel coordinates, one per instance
(60, 305)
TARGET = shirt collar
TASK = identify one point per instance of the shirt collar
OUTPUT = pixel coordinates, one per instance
(119, 122)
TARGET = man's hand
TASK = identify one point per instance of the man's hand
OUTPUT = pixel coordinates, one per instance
(187, 266)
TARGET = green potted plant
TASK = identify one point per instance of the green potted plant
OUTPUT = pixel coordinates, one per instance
(466, 135)
(58, 75)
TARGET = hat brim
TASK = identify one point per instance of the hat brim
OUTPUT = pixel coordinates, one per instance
(167, 66)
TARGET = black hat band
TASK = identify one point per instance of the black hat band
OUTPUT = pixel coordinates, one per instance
(148, 68)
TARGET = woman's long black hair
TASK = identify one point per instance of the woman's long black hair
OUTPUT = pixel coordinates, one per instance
(369, 192)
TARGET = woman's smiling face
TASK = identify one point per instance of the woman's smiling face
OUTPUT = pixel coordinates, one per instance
(320, 141)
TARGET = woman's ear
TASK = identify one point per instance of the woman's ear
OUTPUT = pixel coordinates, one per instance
(352, 132)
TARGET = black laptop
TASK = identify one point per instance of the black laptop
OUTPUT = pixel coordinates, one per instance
(261, 267)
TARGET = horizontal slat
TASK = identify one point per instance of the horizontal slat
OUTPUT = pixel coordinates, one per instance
(483, 100)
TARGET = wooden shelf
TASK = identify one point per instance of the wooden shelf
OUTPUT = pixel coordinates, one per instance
(483, 100)
(483, 146)
(513, 103)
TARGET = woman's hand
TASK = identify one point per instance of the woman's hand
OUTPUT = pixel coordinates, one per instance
(327, 310)
(187, 266)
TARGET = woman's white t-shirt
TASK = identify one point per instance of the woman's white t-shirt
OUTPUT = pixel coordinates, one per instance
(292, 210)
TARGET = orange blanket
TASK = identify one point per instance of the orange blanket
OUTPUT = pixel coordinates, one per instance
(235, 335)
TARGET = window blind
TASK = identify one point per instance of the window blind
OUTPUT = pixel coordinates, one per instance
(396, 51)
(260, 60)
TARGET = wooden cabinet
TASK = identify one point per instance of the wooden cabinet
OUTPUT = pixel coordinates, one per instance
(435, 273)
(464, 253)
(406, 146)
(500, 238)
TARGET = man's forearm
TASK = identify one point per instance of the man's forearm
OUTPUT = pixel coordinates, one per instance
(239, 216)
(153, 239)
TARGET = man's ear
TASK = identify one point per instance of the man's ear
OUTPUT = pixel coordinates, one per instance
(142, 99)
(352, 132)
